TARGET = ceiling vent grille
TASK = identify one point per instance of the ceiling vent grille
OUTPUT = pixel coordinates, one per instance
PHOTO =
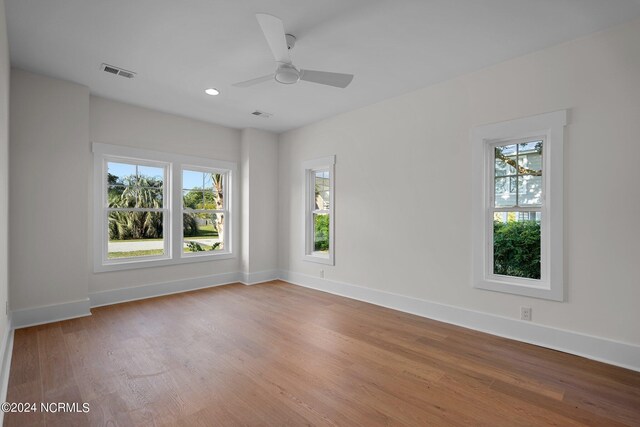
(262, 114)
(117, 71)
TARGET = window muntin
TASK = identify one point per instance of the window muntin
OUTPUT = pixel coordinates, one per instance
(319, 215)
(516, 206)
(204, 210)
(135, 210)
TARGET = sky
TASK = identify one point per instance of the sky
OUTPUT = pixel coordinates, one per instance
(191, 179)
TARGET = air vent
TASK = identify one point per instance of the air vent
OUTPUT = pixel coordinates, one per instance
(262, 114)
(110, 69)
(117, 71)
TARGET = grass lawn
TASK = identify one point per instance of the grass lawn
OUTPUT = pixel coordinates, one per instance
(205, 231)
(148, 252)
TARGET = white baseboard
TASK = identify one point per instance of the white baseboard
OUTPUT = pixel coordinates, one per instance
(53, 313)
(601, 349)
(116, 296)
(260, 277)
(50, 313)
(6, 351)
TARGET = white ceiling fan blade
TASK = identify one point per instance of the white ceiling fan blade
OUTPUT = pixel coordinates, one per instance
(326, 78)
(255, 81)
(273, 30)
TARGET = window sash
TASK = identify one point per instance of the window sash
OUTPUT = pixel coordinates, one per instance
(225, 183)
(166, 237)
(106, 159)
(543, 251)
(492, 167)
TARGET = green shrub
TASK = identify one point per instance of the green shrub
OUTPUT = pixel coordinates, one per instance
(190, 225)
(135, 225)
(195, 247)
(516, 249)
(321, 233)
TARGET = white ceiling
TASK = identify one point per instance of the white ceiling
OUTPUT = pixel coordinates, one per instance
(180, 47)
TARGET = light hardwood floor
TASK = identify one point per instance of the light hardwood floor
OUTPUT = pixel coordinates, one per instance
(278, 354)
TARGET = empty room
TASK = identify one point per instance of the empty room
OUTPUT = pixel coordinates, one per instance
(328, 213)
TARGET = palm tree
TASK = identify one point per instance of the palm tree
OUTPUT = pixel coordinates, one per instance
(136, 192)
(218, 183)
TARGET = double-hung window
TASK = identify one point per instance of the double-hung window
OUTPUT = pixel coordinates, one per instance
(204, 209)
(135, 209)
(319, 204)
(154, 208)
(516, 208)
(517, 199)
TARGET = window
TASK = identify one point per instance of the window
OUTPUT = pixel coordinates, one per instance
(517, 206)
(319, 204)
(154, 208)
(135, 210)
(203, 211)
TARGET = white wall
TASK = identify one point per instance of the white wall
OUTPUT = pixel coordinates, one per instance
(4, 170)
(117, 123)
(259, 203)
(49, 151)
(403, 200)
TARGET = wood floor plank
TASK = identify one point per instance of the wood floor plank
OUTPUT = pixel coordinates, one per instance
(279, 354)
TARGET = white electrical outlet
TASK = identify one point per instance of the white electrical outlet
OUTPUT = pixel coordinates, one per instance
(322, 274)
(525, 313)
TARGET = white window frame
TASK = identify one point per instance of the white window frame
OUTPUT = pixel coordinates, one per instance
(172, 208)
(310, 167)
(224, 211)
(550, 128)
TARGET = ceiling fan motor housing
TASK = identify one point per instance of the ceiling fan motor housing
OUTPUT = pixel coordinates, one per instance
(287, 74)
(291, 40)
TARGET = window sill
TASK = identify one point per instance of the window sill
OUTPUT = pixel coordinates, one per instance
(540, 290)
(149, 263)
(320, 259)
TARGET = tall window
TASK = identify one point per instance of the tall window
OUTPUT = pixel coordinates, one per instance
(153, 208)
(135, 209)
(518, 206)
(204, 211)
(319, 216)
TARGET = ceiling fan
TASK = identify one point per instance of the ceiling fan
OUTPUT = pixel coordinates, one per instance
(287, 73)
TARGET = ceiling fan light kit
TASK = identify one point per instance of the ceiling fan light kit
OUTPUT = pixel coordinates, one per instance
(286, 73)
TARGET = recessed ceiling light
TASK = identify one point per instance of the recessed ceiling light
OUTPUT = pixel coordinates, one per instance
(212, 91)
